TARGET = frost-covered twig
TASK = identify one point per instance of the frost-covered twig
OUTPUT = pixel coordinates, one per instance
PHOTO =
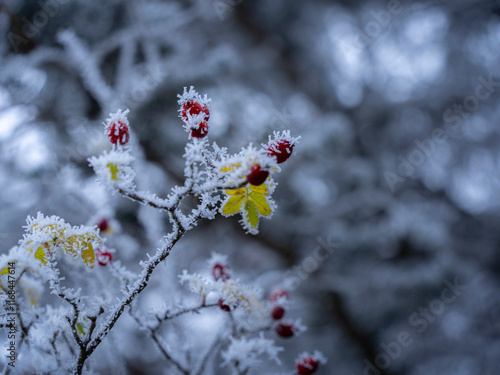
(87, 67)
(196, 310)
(210, 351)
(153, 334)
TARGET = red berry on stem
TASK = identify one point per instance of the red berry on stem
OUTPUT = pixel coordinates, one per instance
(257, 175)
(103, 225)
(103, 257)
(223, 306)
(220, 271)
(118, 133)
(284, 329)
(307, 366)
(277, 312)
(194, 108)
(278, 294)
(281, 150)
(201, 132)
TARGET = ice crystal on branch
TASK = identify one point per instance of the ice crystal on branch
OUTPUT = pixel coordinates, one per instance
(243, 354)
(113, 169)
(196, 283)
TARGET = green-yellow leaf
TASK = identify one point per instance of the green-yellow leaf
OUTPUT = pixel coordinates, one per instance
(88, 255)
(251, 202)
(233, 205)
(252, 214)
(80, 328)
(40, 255)
(260, 203)
(259, 189)
(113, 169)
(239, 191)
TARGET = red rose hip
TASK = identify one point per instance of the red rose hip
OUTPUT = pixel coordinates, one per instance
(284, 330)
(193, 108)
(279, 294)
(201, 132)
(220, 271)
(103, 257)
(103, 225)
(223, 306)
(277, 312)
(281, 150)
(118, 132)
(307, 366)
(257, 175)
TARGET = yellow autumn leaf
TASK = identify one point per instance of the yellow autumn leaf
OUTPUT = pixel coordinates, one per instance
(252, 214)
(72, 245)
(40, 255)
(5, 271)
(239, 191)
(260, 203)
(259, 189)
(230, 167)
(56, 231)
(113, 169)
(233, 205)
(88, 255)
(251, 202)
(81, 244)
(80, 328)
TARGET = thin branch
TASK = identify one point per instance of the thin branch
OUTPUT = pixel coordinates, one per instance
(185, 311)
(138, 287)
(56, 353)
(211, 350)
(153, 335)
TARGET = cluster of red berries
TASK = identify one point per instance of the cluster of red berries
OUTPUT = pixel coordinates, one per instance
(306, 364)
(282, 328)
(191, 109)
(281, 149)
(103, 257)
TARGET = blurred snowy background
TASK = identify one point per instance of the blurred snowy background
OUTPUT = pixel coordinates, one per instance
(398, 107)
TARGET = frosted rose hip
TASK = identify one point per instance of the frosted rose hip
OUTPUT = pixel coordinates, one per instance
(277, 312)
(284, 330)
(193, 108)
(257, 175)
(281, 150)
(103, 257)
(307, 366)
(118, 132)
(201, 132)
